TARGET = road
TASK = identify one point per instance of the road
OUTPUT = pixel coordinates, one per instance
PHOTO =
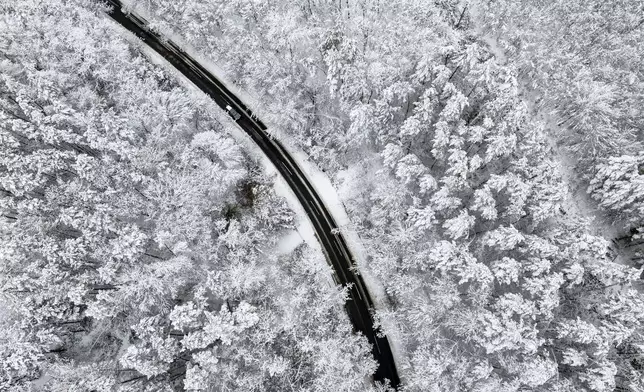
(359, 303)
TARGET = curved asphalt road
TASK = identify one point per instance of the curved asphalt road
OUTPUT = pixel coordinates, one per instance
(359, 304)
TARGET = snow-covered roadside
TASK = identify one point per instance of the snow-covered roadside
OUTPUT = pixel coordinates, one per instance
(328, 192)
(320, 181)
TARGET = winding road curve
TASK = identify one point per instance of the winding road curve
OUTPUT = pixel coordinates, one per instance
(359, 303)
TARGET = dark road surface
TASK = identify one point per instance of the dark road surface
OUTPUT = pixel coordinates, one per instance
(359, 304)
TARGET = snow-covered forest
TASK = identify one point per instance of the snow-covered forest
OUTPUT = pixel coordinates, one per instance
(488, 154)
(138, 239)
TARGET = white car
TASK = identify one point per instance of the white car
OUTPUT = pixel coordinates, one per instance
(233, 113)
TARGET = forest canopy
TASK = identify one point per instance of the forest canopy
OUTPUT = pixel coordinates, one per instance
(487, 153)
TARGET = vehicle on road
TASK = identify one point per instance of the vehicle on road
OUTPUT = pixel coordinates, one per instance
(233, 113)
